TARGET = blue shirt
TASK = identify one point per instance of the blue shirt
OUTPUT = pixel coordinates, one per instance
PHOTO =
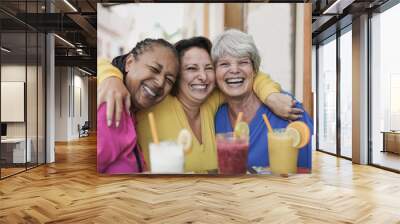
(258, 148)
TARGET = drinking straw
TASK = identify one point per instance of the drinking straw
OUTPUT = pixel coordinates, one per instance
(239, 118)
(267, 122)
(153, 128)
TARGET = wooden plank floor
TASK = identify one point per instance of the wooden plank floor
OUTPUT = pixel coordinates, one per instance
(10, 171)
(70, 191)
(387, 159)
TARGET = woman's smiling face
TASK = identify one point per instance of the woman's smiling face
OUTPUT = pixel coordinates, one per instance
(234, 75)
(197, 76)
(151, 75)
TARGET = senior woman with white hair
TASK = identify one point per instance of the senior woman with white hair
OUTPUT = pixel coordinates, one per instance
(237, 61)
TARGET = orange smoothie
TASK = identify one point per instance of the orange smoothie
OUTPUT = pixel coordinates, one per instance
(282, 154)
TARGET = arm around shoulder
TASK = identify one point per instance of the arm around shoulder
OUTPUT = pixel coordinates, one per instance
(264, 86)
(105, 69)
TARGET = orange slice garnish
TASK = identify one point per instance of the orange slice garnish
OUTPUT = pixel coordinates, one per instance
(304, 131)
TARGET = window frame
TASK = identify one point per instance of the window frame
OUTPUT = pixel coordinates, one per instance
(334, 37)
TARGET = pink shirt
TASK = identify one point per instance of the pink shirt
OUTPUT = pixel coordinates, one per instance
(117, 149)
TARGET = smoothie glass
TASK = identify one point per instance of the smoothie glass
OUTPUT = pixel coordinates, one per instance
(166, 157)
(232, 153)
(282, 154)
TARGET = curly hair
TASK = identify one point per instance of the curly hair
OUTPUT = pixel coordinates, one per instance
(140, 48)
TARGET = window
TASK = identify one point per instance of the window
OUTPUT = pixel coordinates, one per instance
(327, 96)
(335, 74)
(385, 87)
(346, 94)
(22, 61)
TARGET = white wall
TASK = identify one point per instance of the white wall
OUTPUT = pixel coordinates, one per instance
(272, 27)
(122, 26)
(193, 20)
(80, 100)
(85, 98)
(33, 126)
(61, 103)
(299, 52)
(216, 19)
(12, 101)
(110, 34)
(12, 73)
(69, 82)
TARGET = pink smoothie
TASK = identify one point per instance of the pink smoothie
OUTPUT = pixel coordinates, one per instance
(232, 156)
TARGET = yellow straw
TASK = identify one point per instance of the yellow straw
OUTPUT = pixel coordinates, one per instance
(239, 118)
(267, 122)
(153, 128)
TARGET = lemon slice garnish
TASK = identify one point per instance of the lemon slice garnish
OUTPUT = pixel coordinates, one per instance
(185, 139)
(242, 130)
(303, 130)
(295, 135)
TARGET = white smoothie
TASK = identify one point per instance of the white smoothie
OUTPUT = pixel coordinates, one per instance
(166, 157)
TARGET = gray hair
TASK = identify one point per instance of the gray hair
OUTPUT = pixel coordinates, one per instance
(236, 44)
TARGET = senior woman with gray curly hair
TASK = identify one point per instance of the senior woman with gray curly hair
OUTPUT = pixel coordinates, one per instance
(237, 61)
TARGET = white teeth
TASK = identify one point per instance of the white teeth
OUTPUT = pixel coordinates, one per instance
(149, 91)
(199, 86)
(234, 80)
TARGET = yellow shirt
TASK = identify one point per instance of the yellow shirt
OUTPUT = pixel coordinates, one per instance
(170, 119)
(105, 69)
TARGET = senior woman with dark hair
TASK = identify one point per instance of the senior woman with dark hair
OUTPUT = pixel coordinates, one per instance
(237, 61)
(117, 149)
